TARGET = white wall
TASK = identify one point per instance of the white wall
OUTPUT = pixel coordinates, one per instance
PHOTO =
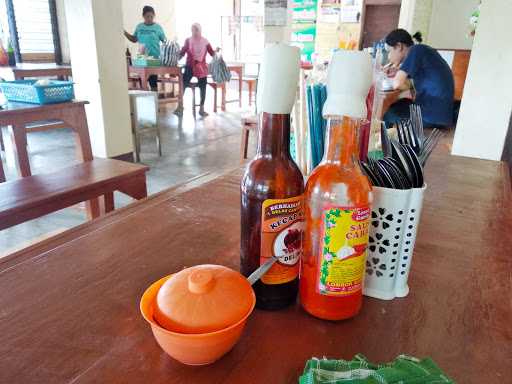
(487, 103)
(96, 39)
(208, 13)
(449, 24)
(415, 16)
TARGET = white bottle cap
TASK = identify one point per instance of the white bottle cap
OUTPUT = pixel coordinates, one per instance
(348, 81)
(278, 79)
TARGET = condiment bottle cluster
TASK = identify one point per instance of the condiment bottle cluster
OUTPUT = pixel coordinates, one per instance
(318, 231)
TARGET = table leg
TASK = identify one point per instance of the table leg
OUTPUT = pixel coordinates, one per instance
(244, 143)
(2, 173)
(109, 202)
(223, 98)
(240, 86)
(78, 121)
(19, 141)
(2, 145)
(215, 98)
(135, 187)
(144, 79)
(250, 86)
(181, 90)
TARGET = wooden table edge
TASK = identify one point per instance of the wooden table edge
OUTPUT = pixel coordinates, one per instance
(39, 249)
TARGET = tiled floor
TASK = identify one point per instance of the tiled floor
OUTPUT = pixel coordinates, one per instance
(190, 148)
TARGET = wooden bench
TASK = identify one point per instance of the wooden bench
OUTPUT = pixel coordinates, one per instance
(34, 196)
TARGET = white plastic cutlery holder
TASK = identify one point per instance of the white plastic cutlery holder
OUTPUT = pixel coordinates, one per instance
(394, 224)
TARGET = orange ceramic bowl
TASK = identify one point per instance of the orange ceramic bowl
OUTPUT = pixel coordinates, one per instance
(191, 349)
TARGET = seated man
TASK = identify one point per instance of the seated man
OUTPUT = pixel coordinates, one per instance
(431, 75)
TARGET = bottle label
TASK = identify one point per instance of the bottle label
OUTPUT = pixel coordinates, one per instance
(343, 250)
(282, 229)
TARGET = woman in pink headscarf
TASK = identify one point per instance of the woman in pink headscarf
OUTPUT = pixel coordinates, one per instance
(196, 47)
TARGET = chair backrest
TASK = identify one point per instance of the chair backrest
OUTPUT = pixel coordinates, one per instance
(144, 108)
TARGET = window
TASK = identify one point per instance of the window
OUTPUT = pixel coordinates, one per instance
(34, 26)
(34, 22)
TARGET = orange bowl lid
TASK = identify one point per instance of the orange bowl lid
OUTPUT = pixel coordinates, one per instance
(202, 299)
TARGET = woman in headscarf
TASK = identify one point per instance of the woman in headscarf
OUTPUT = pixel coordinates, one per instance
(196, 47)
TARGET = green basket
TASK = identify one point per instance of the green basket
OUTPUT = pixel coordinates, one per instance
(146, 62)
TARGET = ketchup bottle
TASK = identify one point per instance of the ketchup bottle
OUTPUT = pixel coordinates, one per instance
(272, 207)
(337, 198)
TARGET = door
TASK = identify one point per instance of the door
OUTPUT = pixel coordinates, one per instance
(379, 18)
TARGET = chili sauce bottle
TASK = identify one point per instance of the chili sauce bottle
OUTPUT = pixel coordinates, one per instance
(337, 198)
(272, 207)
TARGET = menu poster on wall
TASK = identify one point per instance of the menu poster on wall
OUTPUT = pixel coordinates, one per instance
(304, 11)
(276, 13)
(350, 14)
(303, 36)
(304, 27)
(329, 14)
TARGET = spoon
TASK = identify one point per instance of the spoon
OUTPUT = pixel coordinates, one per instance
(258, 273)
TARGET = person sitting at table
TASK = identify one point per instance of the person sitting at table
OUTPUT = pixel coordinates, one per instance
(149, 34)
(431, 76)
(196, 47)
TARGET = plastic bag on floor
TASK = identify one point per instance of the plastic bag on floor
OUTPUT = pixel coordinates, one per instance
(219, 70)
(170, 53)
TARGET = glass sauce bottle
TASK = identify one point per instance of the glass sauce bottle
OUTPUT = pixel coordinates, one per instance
(272, 206)
(337, 199)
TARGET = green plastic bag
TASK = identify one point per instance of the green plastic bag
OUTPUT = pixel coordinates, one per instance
(403, 370)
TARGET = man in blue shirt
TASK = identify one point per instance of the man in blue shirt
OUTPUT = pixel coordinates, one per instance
(150, 34)
(431, 76)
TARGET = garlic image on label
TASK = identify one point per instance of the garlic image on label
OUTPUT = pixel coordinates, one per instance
(344, 252)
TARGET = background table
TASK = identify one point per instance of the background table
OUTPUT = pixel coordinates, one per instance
(23, 70)
(162, 71)
(69, 306)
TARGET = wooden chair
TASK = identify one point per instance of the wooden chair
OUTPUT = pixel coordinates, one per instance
(144, 118)
(34, 196)
(249, 123)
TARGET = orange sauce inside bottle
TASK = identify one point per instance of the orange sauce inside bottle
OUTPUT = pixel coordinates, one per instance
(337, 181)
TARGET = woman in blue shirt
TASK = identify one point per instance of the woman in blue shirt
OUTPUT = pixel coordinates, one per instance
(431, 76)
(150, 34)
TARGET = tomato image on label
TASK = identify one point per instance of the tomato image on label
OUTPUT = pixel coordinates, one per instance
(344, 242)
(282, 231)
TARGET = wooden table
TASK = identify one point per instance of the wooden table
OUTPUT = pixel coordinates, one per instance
(162, 71)
(69, 306)
(24, 70)
(71, 114)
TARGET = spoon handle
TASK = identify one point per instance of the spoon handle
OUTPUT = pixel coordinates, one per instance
(257, 274)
